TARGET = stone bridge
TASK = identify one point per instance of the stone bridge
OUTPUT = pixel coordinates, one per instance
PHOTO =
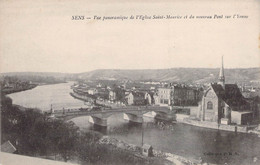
(131, 113)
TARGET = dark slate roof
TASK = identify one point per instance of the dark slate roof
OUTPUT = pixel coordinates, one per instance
(138, 94)
(231, 95)
(218, 90)
(232, 90)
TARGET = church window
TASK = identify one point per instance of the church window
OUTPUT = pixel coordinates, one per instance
(209, 105)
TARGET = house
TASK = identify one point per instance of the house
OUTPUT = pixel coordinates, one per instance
(112, 96)
(177, 95)
(224, 104)
(156, 98)
(164, 94)
(102, 93)
(136, 98)
(92, 91)
(149, 98)
(147, 150)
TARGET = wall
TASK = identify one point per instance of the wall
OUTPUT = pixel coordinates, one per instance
(213, 125)
(130, 99)
(181, 117)
(210, 114)
(193, 110)
(235, 117)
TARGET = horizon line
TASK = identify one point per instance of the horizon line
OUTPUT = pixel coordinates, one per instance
(127, 69)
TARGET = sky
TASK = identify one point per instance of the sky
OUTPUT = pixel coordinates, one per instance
(40, 36)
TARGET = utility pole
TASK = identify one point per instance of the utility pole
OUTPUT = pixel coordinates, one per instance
(142, 136)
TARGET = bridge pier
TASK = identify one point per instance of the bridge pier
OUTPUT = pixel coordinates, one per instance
(136, 118)
(98, 121)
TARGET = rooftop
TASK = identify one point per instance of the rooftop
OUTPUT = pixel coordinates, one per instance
(8, 147)
(14, 159)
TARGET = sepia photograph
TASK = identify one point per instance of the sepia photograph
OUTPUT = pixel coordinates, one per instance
(109, 82)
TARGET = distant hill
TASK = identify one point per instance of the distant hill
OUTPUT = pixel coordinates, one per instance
(188, 75)
(197, 75)
(44, 74)
(36, 77)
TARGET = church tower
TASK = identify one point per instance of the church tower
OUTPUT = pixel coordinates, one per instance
(221, 77)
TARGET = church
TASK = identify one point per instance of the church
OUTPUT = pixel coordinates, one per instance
(224, 104)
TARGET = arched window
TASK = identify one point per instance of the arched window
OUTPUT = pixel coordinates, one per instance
(209, 105)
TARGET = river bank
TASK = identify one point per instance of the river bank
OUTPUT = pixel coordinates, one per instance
(83, 98)
(10, 91)
(53, 83)
(29, 87)
(163, 157)
(212, 125)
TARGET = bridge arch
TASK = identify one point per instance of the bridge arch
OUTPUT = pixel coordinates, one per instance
(133, 114)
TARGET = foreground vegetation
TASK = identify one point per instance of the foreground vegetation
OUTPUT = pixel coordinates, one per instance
(35, 134)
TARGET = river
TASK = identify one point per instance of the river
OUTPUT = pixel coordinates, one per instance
(212, 146)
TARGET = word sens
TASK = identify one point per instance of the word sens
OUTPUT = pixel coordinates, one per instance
(77, 17)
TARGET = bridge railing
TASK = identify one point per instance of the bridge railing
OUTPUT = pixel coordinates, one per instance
(128, 108)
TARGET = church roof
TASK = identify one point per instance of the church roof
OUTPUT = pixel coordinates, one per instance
(232, 90)
(231, 94)
(218, 89)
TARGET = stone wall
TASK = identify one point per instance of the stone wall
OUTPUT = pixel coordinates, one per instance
(214, 125)
(181, 117)
(193, 110)
(235, 117)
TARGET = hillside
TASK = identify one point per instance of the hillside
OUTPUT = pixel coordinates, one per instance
(197, 75)
(188, 75)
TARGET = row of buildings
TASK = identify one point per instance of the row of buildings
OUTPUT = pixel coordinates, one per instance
(179, 95)
(169, 94)
(166, 95)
